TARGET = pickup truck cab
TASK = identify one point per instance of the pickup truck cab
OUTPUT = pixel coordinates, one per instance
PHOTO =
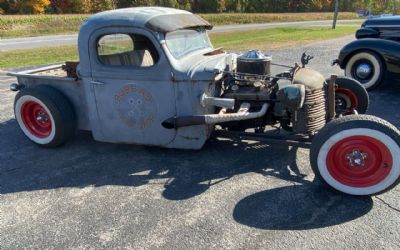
(150, 76)
(138, 67)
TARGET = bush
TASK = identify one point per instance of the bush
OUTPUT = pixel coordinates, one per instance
(101, 5)
(24, 6)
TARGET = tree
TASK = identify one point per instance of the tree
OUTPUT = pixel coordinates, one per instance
(38, 6)
(221, 6)
(297, 5)
(184, 4)
(320, 5)
(24, 6)
(167, 3)
(198, 6)
(99, 5)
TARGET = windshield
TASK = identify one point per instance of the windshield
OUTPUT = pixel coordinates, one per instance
(183, 42)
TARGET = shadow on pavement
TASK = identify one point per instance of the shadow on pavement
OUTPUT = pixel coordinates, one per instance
(183, 173)
(299, 207)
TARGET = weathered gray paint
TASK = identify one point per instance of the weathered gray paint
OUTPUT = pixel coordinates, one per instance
(72, 89)
(128, 104)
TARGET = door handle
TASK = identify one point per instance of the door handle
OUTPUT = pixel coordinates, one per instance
(98, 83)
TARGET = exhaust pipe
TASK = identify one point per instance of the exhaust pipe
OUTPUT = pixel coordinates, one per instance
(227, 103)
(242, 114)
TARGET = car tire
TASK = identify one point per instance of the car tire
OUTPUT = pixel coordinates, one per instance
(45, 115)
(350, 95)
(357, 155)
(366, 60)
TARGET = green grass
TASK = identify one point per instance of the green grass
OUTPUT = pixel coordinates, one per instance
(37, 25)
(248, 18)
(30, 57)
(266, 39)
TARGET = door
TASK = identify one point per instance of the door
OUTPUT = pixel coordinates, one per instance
(133, 88)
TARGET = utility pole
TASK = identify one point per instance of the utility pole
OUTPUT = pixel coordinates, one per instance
(335, 16)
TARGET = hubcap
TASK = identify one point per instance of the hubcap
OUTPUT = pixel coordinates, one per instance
(356, 158)
(363, 71)
(36, 119)
(359, 161)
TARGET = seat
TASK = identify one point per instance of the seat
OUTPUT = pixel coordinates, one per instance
(141, 58)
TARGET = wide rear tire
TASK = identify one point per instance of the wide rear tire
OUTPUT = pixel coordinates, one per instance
(357, 155)
(45, 115)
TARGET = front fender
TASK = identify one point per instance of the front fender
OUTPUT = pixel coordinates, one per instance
(388, 50)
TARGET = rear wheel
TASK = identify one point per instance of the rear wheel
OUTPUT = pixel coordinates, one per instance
(350, 95)
(367, 68)
(357, 155)
(44, 115)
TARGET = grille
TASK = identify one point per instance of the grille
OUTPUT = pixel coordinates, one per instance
(312, 116)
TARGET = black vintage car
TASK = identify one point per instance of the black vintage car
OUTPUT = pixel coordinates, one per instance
(375, 55)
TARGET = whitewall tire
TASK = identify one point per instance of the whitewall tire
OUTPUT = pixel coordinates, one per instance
(44, 115)
(367, 68)
(35, 119)
(357, 155)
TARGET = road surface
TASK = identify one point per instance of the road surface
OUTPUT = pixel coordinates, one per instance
(229, 195)
(58, 40)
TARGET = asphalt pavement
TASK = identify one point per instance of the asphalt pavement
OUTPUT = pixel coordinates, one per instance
(59, 40)
(229, 195)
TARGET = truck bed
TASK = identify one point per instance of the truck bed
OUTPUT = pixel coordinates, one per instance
(53, 71)
(58, 72)
(54, 76)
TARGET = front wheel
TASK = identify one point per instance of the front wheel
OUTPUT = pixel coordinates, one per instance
(367, 68)
(350, 95)
(357, 155)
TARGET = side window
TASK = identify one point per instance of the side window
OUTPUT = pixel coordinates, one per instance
(126, 50)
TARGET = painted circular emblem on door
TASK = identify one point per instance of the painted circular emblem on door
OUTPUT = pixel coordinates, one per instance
(136, 107)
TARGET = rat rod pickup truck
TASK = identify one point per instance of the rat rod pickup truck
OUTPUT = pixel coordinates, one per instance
(151, 76)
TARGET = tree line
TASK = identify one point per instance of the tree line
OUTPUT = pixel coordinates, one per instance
(197, 6)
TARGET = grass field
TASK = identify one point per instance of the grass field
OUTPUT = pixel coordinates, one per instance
(41, 56)
(266, 39)
(28, 25)
(277, 38)
(238, 18)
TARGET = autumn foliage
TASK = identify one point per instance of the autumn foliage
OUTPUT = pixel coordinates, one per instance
(198, 6)
(24, 6)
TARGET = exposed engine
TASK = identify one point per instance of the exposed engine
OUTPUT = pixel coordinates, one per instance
(297, 98)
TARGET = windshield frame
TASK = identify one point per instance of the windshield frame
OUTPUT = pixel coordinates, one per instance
(201, 32)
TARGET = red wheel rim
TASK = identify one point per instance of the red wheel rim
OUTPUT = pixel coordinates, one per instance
(36, 119)
(349, 94)
(359, 161)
